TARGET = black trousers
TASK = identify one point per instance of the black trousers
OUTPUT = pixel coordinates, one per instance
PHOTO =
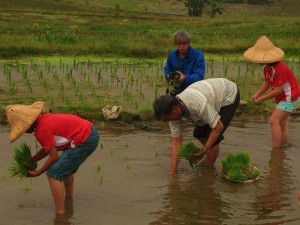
(226, 113)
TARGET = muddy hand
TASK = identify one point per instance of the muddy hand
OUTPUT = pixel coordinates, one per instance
(198, 156)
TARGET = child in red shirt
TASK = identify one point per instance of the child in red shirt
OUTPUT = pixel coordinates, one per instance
(283, 84)
(77, 138)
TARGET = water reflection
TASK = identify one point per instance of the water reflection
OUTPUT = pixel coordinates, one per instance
(273, 199)
(192, 199)
(136, 188)
(65, 218)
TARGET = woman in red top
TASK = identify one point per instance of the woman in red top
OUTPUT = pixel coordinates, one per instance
(284, 87)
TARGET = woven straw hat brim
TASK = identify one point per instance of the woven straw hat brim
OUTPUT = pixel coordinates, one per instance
(21, 117)
(263, 52)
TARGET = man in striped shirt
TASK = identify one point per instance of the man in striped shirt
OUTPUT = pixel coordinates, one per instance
(210, 105)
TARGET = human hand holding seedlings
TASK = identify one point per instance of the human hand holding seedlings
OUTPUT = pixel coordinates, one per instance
(53, 157)
(187, 152)
(23, 161)
(209, 148)
(199, 155)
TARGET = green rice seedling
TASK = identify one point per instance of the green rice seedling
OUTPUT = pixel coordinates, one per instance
(99, 75)
(9, 76)
(98, 168)
(126, 145)
(24, 73)
(157, 163)
(99, 176)
(17, 66)
(237, 167)
(40, 74)
(26, 187)
(187, 152)
(243, 158)
(236, 174)
(22, 162)
(13, 89)
(112, 151)
(45, 84)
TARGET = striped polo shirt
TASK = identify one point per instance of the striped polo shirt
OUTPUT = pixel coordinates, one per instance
(202, 102)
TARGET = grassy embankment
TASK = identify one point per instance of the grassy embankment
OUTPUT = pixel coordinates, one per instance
(118, 30)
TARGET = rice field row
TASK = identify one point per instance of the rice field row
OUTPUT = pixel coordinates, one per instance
(85, 84)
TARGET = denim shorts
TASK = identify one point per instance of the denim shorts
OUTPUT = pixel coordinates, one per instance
(288, 106)
(72, 158)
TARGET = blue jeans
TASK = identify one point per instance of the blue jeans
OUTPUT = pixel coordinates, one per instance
(72, 158)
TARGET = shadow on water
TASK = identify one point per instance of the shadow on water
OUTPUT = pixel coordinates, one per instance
(126, 181)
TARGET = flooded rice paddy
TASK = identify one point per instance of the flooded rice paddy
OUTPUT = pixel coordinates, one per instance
(126, 181)
(86, 84)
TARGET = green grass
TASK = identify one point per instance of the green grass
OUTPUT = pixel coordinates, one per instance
(138, 28)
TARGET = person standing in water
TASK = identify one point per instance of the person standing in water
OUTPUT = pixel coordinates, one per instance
(77, 138)
(284, 88)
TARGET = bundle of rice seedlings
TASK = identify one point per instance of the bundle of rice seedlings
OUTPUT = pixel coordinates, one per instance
(237, 167)
(187, 152)
(23, 162)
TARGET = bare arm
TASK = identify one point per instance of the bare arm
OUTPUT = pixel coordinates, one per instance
(208, 145)
(175, 145)
(39, 155)
(264, 87)
(272, 94)
(214, 135)
(53, 157)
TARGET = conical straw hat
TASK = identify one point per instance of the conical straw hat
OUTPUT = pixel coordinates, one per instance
(263, 52)
(21, 117)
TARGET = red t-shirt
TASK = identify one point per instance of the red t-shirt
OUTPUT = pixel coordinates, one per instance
(61, 130)
(279, 75)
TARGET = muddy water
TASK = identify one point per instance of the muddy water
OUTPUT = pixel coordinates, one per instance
(126, 181)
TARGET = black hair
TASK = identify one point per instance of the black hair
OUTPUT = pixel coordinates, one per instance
(273, 63)
(163, 105)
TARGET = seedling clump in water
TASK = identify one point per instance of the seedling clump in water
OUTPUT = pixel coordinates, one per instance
(187, 152)
(237, 167)
(23, 162)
